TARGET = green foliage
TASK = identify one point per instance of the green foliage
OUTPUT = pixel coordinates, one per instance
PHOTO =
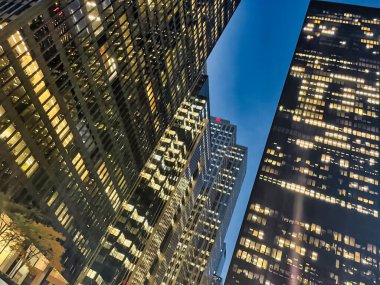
(18, 211)
(22, 229)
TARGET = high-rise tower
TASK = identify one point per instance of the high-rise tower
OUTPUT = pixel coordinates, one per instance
(140, 243)
(87, 90)
(313, 215)
(201, 246)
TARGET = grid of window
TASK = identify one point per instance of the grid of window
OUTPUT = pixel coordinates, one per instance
(200, 246)
(87, 90)
(313, 216)
(142, 235)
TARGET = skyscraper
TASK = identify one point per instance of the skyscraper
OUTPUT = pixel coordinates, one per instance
(313, 215)
(140, 243)
(88, 89)
(201, 246)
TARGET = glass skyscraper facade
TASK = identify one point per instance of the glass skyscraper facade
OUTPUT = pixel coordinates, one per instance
(87, 91)
(201, 246)
(140, 243)
(313, 215)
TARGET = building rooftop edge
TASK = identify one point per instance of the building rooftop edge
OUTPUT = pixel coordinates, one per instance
(346, 5)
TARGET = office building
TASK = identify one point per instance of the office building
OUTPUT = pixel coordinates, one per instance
(201, 248)
(142, 239)
(88, 89)
(313, 215)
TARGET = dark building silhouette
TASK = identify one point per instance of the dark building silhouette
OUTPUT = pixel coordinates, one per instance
(313, 215)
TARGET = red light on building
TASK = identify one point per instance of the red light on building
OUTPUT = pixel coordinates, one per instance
(218, 120)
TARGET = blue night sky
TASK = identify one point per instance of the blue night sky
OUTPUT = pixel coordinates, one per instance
(247, 71)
